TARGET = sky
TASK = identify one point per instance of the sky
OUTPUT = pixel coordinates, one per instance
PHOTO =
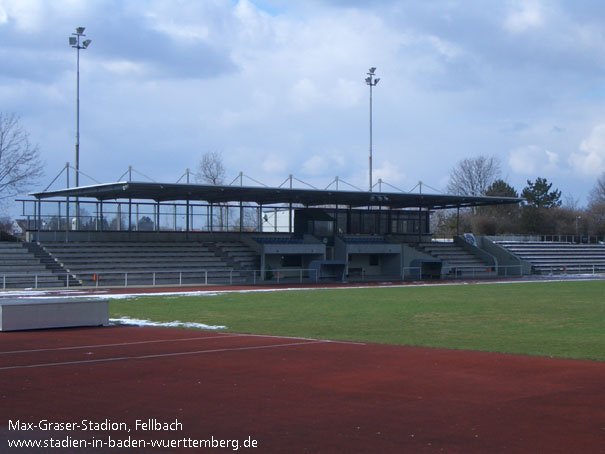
(277, 88)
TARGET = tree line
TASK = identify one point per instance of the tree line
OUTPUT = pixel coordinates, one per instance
(542, 211)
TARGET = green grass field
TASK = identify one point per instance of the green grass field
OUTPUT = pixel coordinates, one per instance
(559, 319)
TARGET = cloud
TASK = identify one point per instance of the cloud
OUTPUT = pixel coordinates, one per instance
(304, 95)
(279, 86)
(389, 172)
(526, 15)
(590, 158)
(327, 164)
(275, 164)
(315, 165)
(531, 160)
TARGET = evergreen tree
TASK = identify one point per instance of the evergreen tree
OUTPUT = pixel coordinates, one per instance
(539, 195)
(501, 188)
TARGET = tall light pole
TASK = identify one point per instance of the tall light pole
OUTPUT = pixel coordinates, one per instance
(372, 82)
(74, 41)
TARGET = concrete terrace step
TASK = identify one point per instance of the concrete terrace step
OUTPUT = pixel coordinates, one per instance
(564, 258)
(24, 269)
(16, 261)
(126, 250)
(126, 244)
(595, 249)
(13, 251)
(131, 257)
(152, 259)
(98, 267)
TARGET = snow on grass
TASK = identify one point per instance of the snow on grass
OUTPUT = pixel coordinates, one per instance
(175, 324)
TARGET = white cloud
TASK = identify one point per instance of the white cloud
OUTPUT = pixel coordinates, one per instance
(125, 67)
(347, 93)
(27, 14)
(525, 16)
(328, 164)
(590, 159)
(315, 165)
(304, 95)
(532, 159)
(389, 172)
(275, 164)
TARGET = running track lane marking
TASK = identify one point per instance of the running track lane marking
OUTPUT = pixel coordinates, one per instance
(296, 338)
(219, 336)
(163, 355)
(118, 344)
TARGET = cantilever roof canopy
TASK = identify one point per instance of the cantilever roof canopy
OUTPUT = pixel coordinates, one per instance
(163, 192)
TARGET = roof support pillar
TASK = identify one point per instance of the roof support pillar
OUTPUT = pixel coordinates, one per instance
(420, 224)
(211, 216)
(38, 218)
(129, 215)
(241, 216)
(156, 208)
(187, 227)
(101, 216)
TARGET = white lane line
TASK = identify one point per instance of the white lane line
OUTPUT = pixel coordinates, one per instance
(161, 355)
(301, 338)
(118, 344)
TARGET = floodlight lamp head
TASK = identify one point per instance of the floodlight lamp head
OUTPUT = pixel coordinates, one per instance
(368, 80)
(72, 41)
(372, 69)
(86, 43)
(376, 80)
(80, 30)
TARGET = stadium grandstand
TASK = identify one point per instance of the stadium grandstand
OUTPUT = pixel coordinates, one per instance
(147, 233)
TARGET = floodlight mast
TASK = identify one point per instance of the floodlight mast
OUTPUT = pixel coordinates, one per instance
(74, 41)
(372, 82)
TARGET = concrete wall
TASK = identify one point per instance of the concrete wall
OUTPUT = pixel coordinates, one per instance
(409, 254)
(488, 258)
(509, 264)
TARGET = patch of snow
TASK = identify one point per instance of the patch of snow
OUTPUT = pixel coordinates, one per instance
(175, 324)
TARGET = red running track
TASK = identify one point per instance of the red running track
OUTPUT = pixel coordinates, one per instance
(295, 395)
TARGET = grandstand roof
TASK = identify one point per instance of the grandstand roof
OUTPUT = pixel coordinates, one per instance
(162, 192)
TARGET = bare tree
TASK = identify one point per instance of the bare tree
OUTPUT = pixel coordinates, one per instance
(210, 169)
(20, 164)
(597, 195)
(473, 176)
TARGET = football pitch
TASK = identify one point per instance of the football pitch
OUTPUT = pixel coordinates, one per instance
(554, 319)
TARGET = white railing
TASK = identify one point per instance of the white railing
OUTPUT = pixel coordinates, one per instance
(164, 277)
(32, 280)
(558, 269)
(273, 276)
(201, 277)
(463, 271)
